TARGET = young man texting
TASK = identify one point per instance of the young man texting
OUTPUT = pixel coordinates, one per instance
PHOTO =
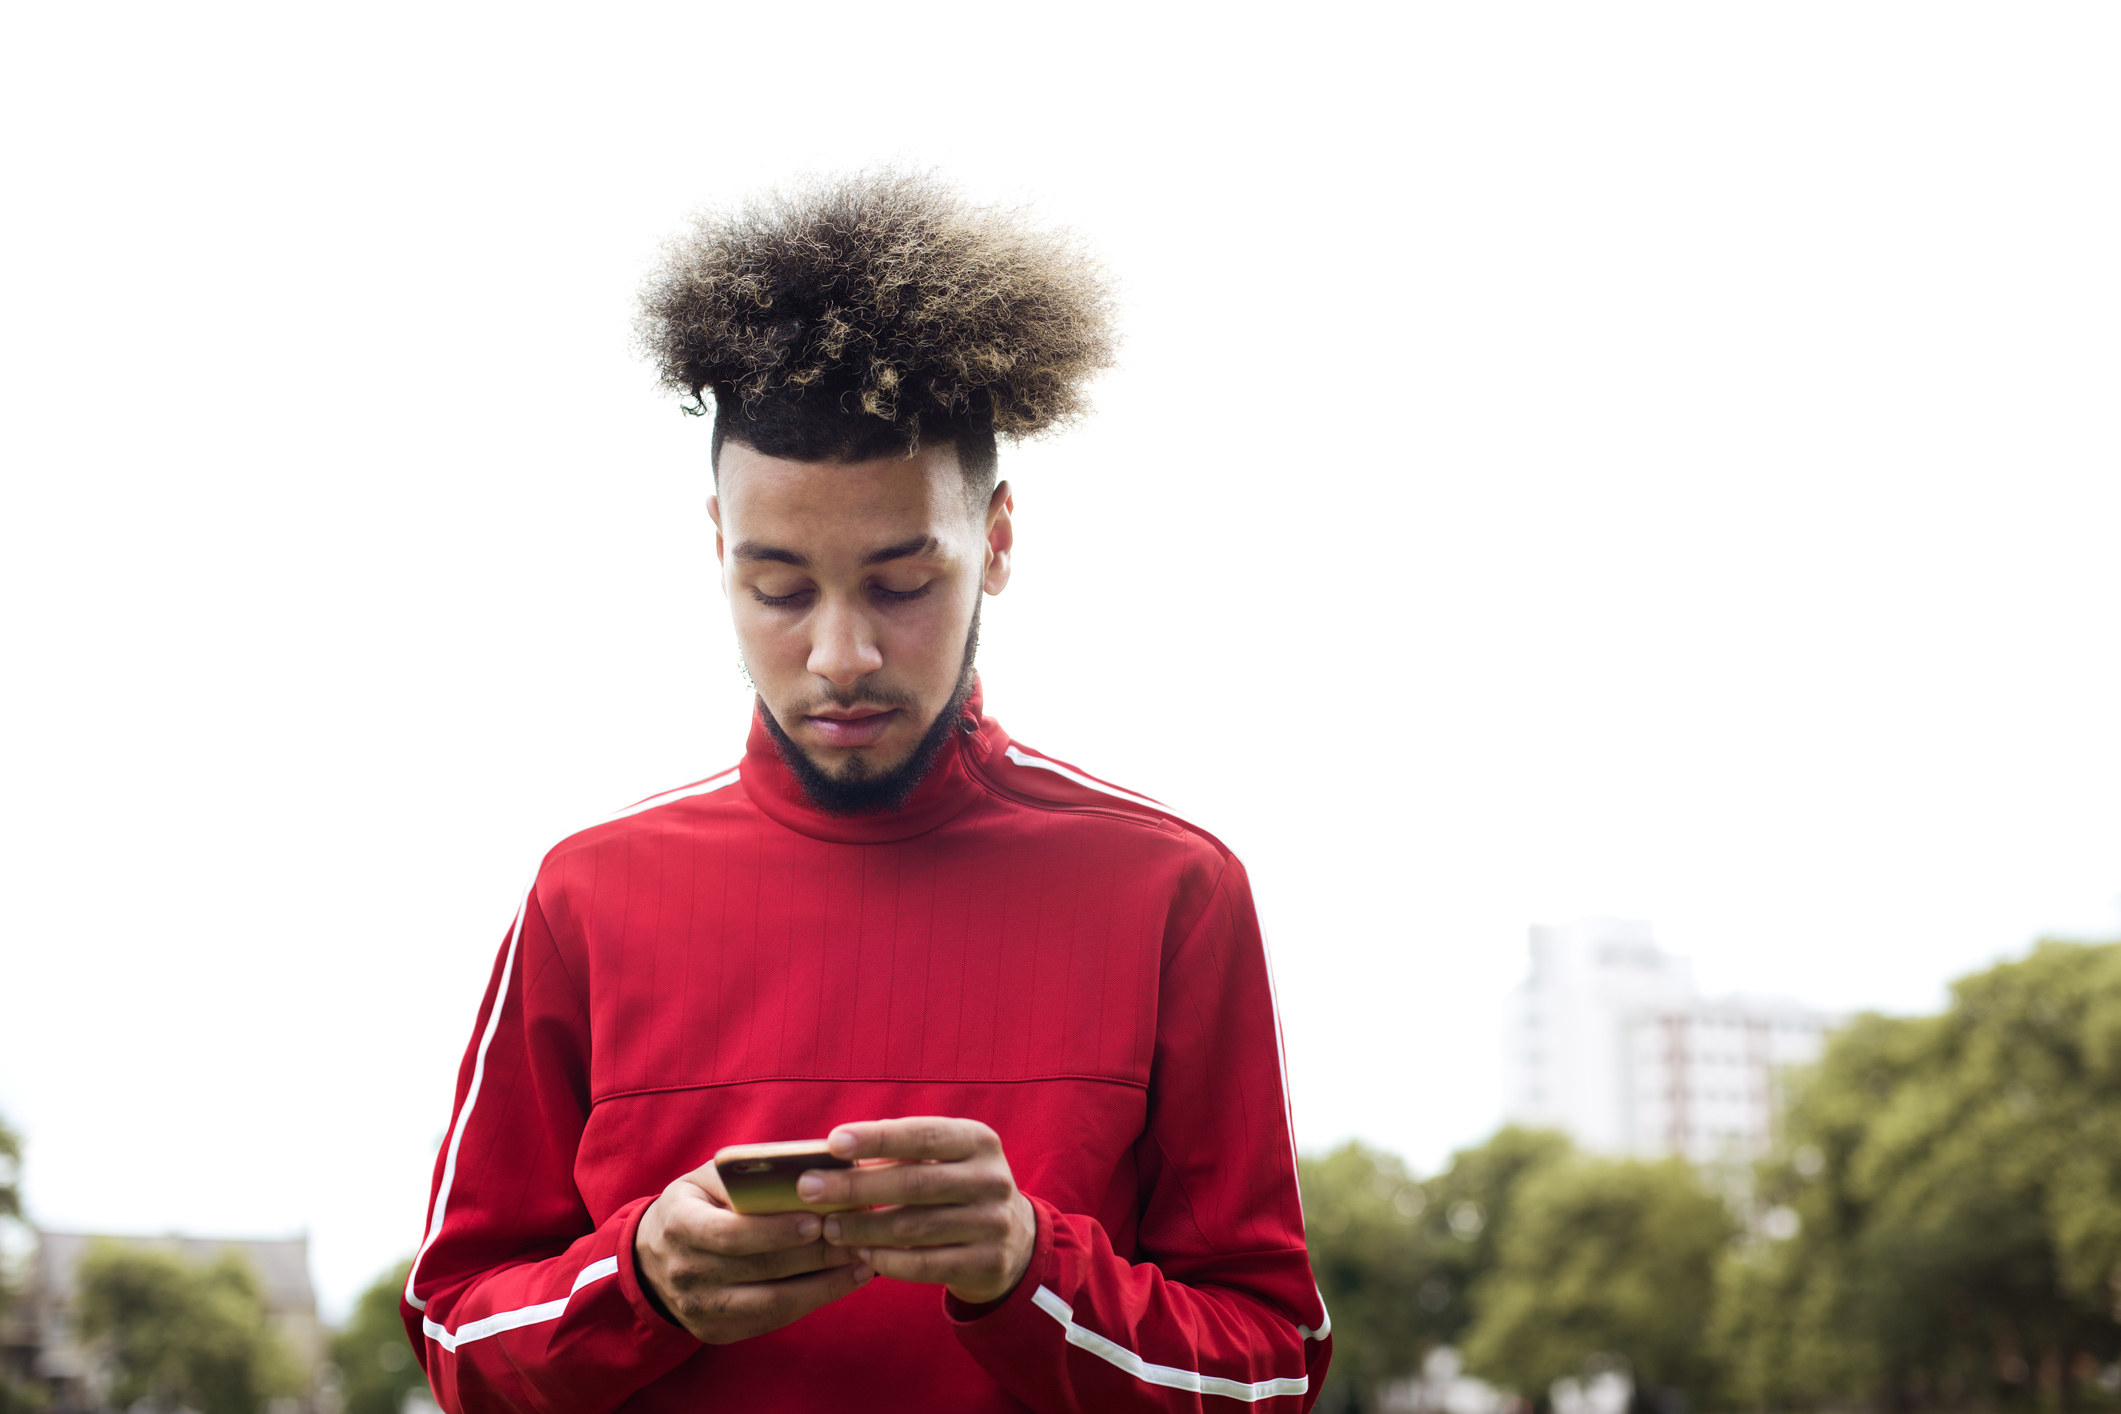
(1041, 997)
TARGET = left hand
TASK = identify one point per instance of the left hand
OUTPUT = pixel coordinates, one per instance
(950, 1209)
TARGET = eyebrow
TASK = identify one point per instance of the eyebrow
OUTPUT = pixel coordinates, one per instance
(753, 550)
(904, 549)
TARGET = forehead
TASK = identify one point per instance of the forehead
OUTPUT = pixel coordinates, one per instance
(798, 503)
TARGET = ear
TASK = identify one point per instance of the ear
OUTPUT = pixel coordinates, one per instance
(714, 513)
(1001, 538)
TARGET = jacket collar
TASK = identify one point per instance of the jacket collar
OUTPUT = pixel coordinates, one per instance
(950, 786)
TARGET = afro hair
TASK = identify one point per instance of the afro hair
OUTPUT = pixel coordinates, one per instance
(864, 315)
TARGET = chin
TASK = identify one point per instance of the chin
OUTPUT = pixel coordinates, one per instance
(858, 763)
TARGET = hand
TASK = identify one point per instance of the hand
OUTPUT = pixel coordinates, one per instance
(726, 1277)
(955, 1214)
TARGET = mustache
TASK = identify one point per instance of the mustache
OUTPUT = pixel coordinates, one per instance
(860, 695)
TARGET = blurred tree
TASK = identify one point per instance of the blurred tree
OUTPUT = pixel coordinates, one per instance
(1394, 1258)
(16, 1396)
(177, 1333)
(376, 1365)
(1602, 1262)
(1944, 1226)
(1470, 1204)
(1790, 1319)
(1361, 1221)
(10, 1172)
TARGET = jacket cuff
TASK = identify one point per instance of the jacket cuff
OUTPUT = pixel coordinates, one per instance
(967, 1319)
(646, 1309)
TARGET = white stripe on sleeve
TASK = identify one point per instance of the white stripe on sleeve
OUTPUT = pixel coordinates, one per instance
(520, 1317)
(1168, 1376)
(471, 1097)
(493, 1024)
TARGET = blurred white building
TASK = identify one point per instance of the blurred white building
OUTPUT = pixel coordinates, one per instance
(1609, 1039)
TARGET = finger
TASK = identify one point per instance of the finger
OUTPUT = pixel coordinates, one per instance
(773, 1266)
(918, 1227)
(702, 1226)
(925, 1184)
(921, 1137)
(708, 1178)
(932, 1264)
(747, 1309)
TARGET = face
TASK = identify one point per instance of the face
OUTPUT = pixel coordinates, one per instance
(853, 587)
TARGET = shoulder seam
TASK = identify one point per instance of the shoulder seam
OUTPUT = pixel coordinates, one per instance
(1207, 907)
(719, 781)
(707, 786)
(1046, 763)
(1020, 757)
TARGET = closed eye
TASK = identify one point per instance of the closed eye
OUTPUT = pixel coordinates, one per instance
(780, 601)
(901, 596)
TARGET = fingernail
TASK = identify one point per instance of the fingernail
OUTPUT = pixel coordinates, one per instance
(841, 1142)
(862, 1273)
(807, 1229)
(832, 1229)
(810, 1188)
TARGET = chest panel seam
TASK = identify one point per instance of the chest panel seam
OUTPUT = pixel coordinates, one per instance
(628, 1094)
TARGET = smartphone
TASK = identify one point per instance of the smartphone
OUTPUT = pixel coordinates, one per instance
(760, 1178)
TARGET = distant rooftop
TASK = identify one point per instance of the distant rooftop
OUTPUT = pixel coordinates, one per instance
(282, 1263)
(42, 1324)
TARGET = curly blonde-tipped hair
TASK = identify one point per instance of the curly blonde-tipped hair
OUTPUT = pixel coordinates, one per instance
(861, 315)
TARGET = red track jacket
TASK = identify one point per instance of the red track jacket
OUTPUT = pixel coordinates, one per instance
(1022, 944)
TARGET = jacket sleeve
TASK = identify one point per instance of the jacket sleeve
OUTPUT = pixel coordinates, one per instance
(1221, 1309)
(518, 1299)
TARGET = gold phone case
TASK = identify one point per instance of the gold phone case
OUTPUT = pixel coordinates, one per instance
(760, 1178)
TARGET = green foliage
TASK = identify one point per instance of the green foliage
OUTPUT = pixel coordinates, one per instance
(1940, 1228)
(16, 1397)
(21, 1397)
(10, 1172)
(180, 1333)
(1954, 1185)
(1602, 1261)
(1395, 1258)
(376, 1365)
(1471, 1204)
(1361, 1212)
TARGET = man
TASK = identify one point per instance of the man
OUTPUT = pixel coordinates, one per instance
(1042, 998)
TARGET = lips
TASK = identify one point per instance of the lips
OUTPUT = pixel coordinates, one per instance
(863, 729)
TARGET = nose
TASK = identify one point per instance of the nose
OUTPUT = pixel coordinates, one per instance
(843, 647)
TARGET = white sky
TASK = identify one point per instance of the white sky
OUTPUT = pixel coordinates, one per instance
(1645, 460)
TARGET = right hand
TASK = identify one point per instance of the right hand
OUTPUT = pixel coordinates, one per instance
(727, 1277)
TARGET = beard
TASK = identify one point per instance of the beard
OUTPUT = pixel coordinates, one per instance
(858, 790)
